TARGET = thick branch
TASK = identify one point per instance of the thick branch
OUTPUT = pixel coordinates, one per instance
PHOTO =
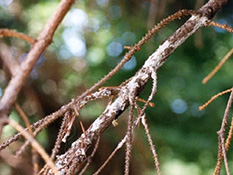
(136, 84)
(44, 39)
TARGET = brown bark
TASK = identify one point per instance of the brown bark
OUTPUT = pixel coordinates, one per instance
(76, 154)
(43, 41)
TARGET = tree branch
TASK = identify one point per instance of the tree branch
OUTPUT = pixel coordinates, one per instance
(13, 33)
(43, 40)
(76, 154)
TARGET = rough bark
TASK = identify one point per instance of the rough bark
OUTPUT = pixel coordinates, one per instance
(76, 154)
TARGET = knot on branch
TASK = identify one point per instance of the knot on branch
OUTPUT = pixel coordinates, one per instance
(210, 10)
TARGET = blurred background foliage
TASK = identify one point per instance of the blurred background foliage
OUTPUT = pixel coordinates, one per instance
(89, 43)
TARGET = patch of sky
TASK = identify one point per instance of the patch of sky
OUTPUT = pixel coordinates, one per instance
(64, 53)
(34, 74)
(131, 64)
(4, 3)
(220, 21)
(195, 110)
(76, 46)
(145, 5)
(114, 49)
(102, 3)
(74, 42)
(95, 24)
(95, 56)
(37, 16)
(179, 106)
(102, 20)
(129, 38)
(38, 62)
(76, 18)
(115, 12)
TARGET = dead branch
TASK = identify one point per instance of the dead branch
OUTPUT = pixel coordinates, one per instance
(69, 162)
(213, 98)
(17, 163)
(137, 47)
(221, 138)
(89, 159)
(229, 137)
(12, 33)
(152, 147)
(204, 81)
(129, 139)
(222, 26)
(119, 146)
(135, 86)
(43, 40)
(41, 124)
(35, 145)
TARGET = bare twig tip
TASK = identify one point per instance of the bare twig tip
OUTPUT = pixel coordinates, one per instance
(213, 98)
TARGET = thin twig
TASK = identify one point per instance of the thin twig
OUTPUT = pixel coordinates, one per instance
(35, 162)
(142, 116)
(41, 127)
(213, 98)
(222, 26)
(229, 137)
(224, 153)
(129, 139)
(83, 129)
(54, 116)
(43, 40)
(219, 160)
(41, 123)
(16, 163)
(35, 145)
(24, 117)
(13, 33)
(138, 82)
(58, 142)
(207, 78)
(137, 47)
(144, 101)
(221, 133)
(153, 91)
(89, 159)
(27, 123)
(34, 153)
(152, 147)
(69, 124)
(119, 146)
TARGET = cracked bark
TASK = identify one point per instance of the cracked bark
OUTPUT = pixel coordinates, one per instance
(76, 154)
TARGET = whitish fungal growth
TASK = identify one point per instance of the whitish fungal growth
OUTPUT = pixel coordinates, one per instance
(96, 124)
(133, 88)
